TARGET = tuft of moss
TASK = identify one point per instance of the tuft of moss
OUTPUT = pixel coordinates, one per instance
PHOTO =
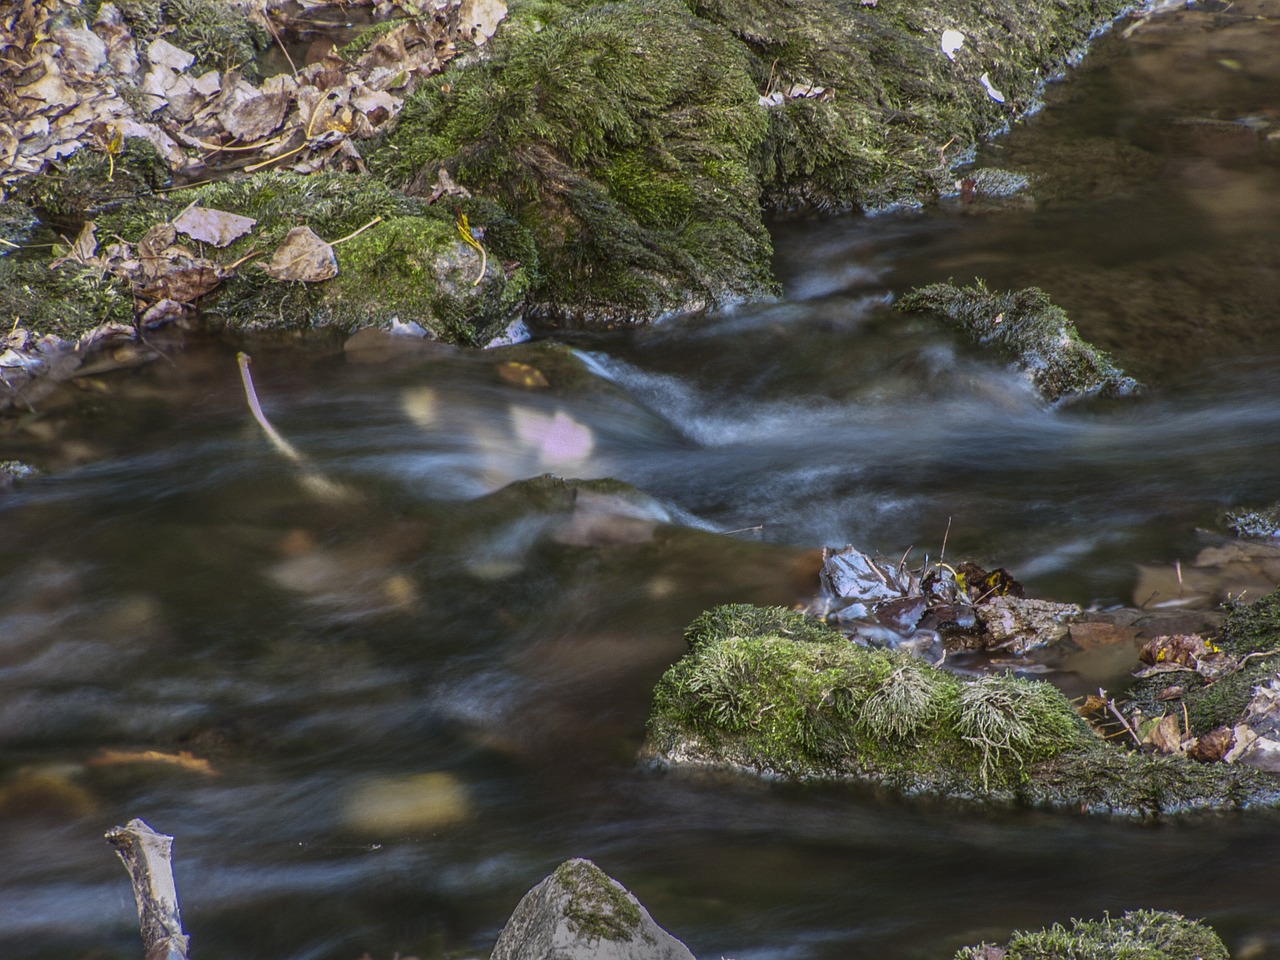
(747, 696)
(744, 619)
(621, 135)
(1138, 935)
(1027, 328)
(1252, 628)
(215, 32)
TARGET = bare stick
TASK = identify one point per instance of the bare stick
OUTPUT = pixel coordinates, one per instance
(946, 534)
(146, 855)
(1111, 705)
(279, 442)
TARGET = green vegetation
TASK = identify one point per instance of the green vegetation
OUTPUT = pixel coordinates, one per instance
(621, 136)
(748, 695)
(1026, 327)
(1138, 935)
(216, 33)
(597, 907)
(412, 265)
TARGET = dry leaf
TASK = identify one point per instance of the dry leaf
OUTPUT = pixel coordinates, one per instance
(480, 18)
(1166, 736)
(248, 114)
(217, 227)
(184, 283)
(303, 256)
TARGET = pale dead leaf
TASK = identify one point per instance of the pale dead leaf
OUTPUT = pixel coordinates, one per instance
(163, 53)
(480, 18)
(82, 50)
(303, 256)
(1166, 736)
(217, 227)
(249, 114)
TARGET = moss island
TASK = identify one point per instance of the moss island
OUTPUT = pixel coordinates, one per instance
(772, 692)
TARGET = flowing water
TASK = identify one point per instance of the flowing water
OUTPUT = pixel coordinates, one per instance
(403, 701)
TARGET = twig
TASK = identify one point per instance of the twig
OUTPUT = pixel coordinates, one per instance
(945, 534)
(349, 236)
(276, 37)
(1111, 705)
(277, 441)
(757, 527)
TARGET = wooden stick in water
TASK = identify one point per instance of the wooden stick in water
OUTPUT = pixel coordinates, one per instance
(146, 854)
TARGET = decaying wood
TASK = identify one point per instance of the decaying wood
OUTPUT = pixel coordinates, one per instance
(146, 855)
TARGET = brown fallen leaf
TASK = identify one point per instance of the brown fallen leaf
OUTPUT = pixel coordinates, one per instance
(217, 227)
(1166, 736)
(303, 256)
(184, 283)
(1213, 746)
(183, 759)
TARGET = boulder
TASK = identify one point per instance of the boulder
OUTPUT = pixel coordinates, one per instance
(580, 913)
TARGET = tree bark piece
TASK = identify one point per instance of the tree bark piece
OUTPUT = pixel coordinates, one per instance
(146, 855)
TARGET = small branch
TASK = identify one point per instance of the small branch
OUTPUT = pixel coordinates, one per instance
(146, 855)
(279, 442)
(1111, 705)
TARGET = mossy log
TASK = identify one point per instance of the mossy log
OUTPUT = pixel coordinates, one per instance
(775, 694)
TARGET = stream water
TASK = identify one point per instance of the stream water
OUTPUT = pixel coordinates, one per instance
(406, 701)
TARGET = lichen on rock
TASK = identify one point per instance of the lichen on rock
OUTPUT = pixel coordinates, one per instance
(748, 697)
(1030, 331)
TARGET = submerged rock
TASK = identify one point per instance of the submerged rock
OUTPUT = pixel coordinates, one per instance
(773, 694)
(1028, 329)
(1149, 934)
(580, 913)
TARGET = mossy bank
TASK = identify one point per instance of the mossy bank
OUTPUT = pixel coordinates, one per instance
(771, 692)
(639, 142)
(1137, 935)
(618, 159)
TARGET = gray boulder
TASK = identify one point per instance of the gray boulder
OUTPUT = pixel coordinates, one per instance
(580, 913)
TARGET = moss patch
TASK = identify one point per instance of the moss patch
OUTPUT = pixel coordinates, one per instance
(1138, 935)
(622, 136)
(411, 265)
(1026, 327)
(597, 907)
(747, 696)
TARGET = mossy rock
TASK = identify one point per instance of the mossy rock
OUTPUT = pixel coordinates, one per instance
(1138, 935)
(79, 187)
(1028, 329)
(748, 697)
(66, 302)
(901, 111)
(412, 264)
(622, 136)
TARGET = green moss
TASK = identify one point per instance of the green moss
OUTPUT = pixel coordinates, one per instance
(746, 620)
(1252, 628)
(597, 908)
(622, 136)
(215, 32)
(73, 190)
(1026, 327)
(1138, 935)
(66, 302)
(747, 696)
(898, 101)
(412, 265)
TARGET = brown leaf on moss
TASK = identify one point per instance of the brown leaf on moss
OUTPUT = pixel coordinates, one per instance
(1213, 746)
(1166, 735)
(184, 283)
(303, 256)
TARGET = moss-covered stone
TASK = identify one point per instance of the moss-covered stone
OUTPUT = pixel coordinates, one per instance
(412, 264)
(747, 697)
(596, 908)
(1025, 327)
(622, 136)
(66, 302)
(89, 181)
(1138, 935)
